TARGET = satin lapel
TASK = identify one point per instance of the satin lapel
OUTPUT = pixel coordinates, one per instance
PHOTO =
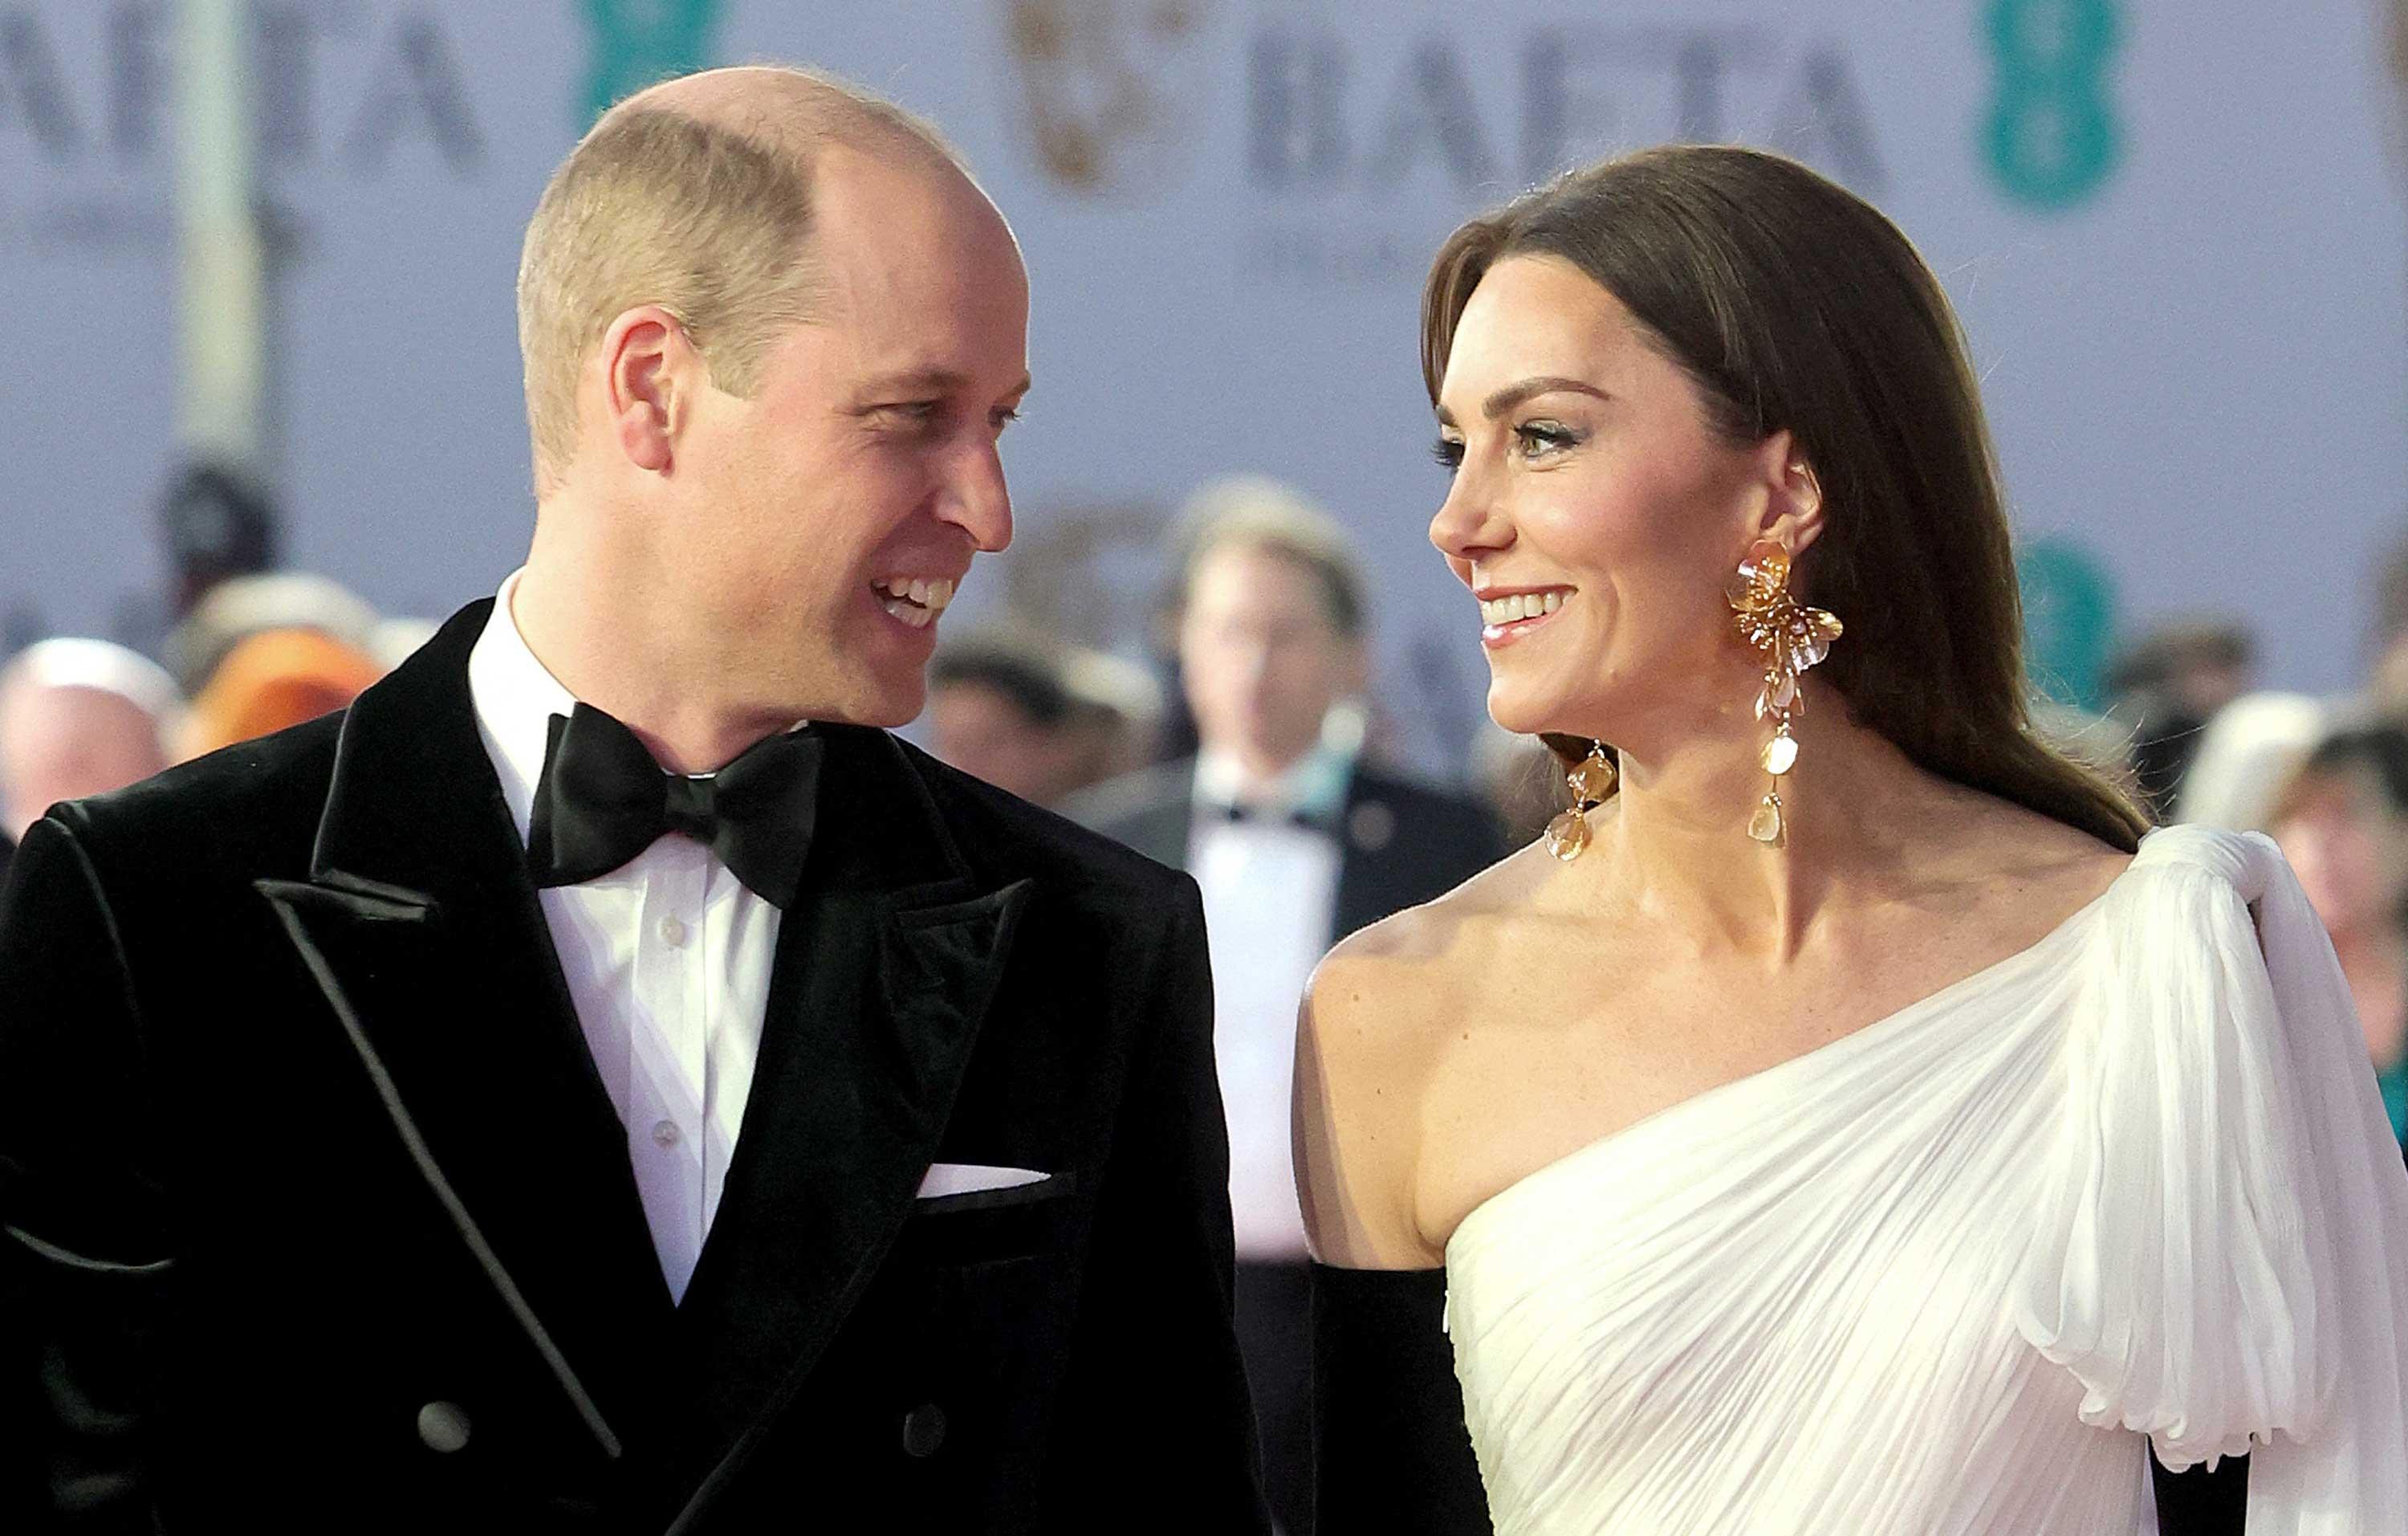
(421, 928)
(885, 966)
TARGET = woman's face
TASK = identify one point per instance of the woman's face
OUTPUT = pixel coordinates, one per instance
(2350, 855)
(1591, 494)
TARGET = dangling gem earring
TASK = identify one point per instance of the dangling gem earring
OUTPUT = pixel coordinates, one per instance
(1590, 779)
(1791, 638)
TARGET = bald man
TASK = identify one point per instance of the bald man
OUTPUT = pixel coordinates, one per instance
(77, 717)
(602, 1081)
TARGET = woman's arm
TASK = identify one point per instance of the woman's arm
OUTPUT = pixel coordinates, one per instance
(1391, 1452)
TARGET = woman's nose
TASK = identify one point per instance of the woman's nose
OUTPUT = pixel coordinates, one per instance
(1468, 524)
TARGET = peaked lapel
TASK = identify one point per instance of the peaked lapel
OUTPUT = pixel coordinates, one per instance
(421, 928)
(885, 966)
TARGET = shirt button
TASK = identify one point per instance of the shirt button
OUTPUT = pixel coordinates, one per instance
(666, 1134)
(672, 931)
(923, 1430)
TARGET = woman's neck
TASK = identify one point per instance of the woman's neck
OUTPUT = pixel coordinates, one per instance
(1679, 840)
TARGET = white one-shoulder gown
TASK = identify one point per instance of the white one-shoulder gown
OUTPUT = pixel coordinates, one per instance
(1941, 1275)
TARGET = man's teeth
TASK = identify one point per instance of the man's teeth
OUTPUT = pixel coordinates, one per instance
(914, 599)
(1522, 605)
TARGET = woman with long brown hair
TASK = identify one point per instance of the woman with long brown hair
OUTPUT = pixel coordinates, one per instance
(1845, 1118)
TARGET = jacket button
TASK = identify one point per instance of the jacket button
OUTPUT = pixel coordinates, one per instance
(923, 1430)
(443, 1427)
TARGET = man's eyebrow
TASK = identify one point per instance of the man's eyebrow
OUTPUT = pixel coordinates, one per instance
(917, 381)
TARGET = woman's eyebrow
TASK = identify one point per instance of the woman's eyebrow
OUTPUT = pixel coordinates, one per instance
(1514, 395)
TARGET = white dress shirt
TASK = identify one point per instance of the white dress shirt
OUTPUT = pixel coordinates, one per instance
(1270, 898)
(667, 960)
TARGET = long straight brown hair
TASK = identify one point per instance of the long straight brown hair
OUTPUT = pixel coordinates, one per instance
(1792, 303)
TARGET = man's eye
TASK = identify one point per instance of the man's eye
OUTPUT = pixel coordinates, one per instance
(914, 411)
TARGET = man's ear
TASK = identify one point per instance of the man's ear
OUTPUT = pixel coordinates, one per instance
(1792, 511)
(649, 367)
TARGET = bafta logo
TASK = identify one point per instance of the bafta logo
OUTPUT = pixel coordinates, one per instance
(1103, 89)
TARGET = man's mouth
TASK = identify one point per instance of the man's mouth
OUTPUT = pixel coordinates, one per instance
(916, 600)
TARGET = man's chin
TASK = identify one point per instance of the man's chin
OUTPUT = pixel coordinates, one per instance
(887, 704)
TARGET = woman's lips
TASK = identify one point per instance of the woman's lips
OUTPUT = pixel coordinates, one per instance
(1506, 616)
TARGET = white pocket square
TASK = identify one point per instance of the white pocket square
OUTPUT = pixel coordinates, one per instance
(971, 1178)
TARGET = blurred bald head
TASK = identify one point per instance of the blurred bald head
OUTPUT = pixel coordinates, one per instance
(78, 717)
(696, 196)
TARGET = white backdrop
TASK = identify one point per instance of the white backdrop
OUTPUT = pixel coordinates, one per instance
(2180, 268)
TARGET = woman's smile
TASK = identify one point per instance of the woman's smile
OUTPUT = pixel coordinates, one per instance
(1506, 616)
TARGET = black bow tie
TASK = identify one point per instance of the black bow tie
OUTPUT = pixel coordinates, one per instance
(1238, 811)
(602, 800)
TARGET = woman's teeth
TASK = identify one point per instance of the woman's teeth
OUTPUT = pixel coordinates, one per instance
(914, 599)
(1499, 611)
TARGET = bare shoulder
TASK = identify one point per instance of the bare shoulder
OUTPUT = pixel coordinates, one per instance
(1369, 1042)
(2030, 869)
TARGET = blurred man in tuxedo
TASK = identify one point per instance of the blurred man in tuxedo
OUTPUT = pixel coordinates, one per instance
(1297, 841)
(564, 1093)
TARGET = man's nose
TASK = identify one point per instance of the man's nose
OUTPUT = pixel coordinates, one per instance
(977, 501)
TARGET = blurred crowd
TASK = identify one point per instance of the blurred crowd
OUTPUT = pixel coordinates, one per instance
(250, 650)
(1245, 745)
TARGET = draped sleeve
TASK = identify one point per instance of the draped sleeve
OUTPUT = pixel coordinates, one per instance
(2221, 1253)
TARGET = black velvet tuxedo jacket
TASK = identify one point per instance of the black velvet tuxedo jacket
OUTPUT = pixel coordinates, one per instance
(1401, 844)
(305, 1174)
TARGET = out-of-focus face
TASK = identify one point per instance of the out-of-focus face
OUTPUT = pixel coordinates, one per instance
(982, 732)
(64, 744)
(2350, 855)
(841, 504)
(1593, 512)
(1260, 657)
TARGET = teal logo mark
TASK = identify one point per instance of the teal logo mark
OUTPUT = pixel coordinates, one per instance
(2069, 621)
(637, 42)
(2050, 134)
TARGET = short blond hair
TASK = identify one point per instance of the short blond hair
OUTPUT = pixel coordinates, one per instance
(706, 215)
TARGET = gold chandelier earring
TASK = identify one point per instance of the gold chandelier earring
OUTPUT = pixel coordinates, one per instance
(1791, 638)
(1590, 779)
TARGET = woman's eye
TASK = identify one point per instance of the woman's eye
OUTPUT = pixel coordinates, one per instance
(1537, 439)
(1448, 454)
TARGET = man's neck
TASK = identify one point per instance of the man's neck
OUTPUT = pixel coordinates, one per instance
(574, 604)
(1255, 778)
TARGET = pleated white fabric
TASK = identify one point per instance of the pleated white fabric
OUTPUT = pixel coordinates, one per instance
(1941, 1275)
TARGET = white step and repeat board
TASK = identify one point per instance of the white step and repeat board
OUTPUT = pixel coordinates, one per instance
(2173, 227)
